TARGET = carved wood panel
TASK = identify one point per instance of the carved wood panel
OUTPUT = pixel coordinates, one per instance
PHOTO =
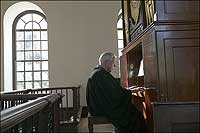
(182, 64)
(178, 117)
(178, 57)
(177, 10)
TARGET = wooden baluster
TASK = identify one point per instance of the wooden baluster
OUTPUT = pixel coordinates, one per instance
(5, 104)
(28, 125)
(15, 129)
(66, 98)
(62, 100)
(12, 103)
(78, 97)
(36, 122)
(75, 98)
(56, 116)
(1, 105)
(43, 120)
(9, 104)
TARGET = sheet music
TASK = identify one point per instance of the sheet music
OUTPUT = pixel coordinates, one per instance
(135, 88)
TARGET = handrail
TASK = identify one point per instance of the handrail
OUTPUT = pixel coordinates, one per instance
(20, 97)
(25, 91)
(14, 115)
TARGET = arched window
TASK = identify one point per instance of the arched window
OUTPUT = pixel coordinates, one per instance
(30, 51)
(120, 34)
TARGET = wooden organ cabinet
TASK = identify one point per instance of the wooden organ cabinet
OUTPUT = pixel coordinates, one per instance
(165, 35)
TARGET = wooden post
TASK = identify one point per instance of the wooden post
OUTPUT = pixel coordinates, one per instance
(56, 116)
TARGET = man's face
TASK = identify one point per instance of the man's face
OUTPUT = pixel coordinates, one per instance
(110, 65)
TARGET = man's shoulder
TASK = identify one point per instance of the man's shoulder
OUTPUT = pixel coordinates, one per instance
(96, 72)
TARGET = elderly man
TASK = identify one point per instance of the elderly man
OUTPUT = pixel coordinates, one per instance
(106, 97)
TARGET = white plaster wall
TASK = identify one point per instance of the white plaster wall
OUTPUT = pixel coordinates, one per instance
(78, 32)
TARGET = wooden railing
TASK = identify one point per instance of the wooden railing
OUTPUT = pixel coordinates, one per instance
(67, 91)
(39, 115)
(70, 104)
(10, 100)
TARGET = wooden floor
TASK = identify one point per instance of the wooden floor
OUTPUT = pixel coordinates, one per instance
(83, 127)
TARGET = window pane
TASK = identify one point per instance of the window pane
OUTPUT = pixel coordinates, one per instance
(120, 34)
(28, 35)
(45, 75)
(43, 35)
(36, 65)
(20, 66)
(120, 44)
(20, 55)
(30, 41)
(19, 45)
(37, 55)
(20, 24)
(36, 45)
(44, 45)
(120, 11)
(45, 84)
(119, 23)
(20, 76)
(28, 76)
(120, 53)
(45, 65)
(20, 85)
(37, 75)
(36, 25)
(28, 85)
(19, 35)
(36, 35)
(28, 45)
(27, 17)
(37, 18)
(29, 25)
(28, 66)
(28, 55)
(37, 84)
(43, 24)
(44, 55)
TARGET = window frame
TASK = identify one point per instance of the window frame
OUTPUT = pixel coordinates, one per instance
(14, 50)
(120, 16)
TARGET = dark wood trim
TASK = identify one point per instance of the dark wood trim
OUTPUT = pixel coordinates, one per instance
(151, 26)
(123, 22)
(20, 97)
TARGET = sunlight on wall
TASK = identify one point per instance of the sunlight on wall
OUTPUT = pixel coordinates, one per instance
(9, 17)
